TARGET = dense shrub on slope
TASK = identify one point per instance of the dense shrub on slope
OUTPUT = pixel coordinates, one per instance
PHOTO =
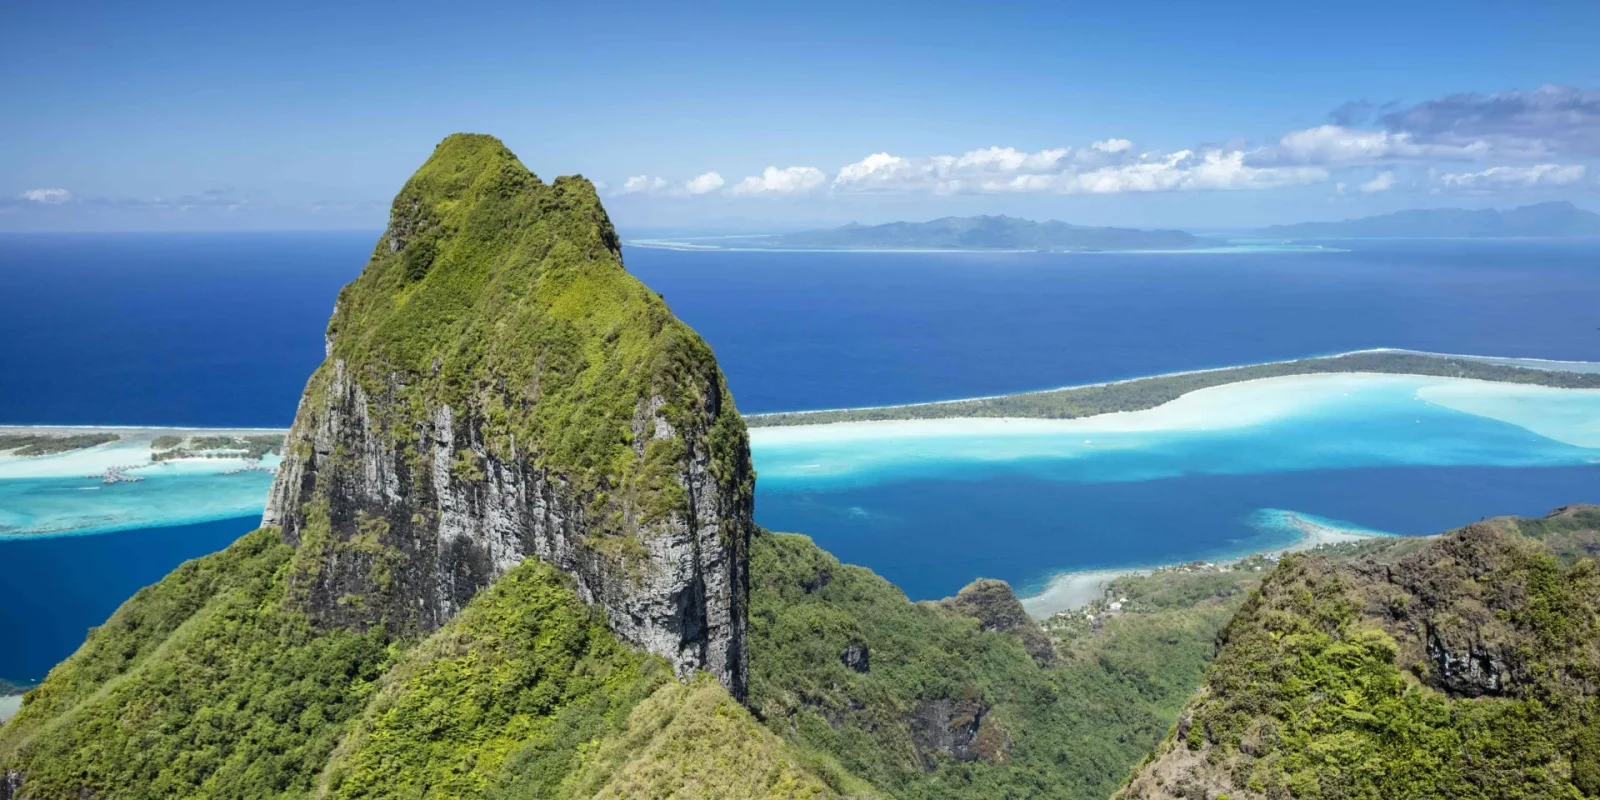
(207, 685)
(921, 701)
(1469, 668)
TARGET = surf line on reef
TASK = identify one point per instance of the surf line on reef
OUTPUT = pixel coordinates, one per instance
(1066, 591)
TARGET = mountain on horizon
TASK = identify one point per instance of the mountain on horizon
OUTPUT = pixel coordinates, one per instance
(1545, 220)
(985, 233)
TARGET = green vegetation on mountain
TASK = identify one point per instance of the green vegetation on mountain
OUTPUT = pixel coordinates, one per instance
(44, 444)
(1554, 219)
(496, 291)
(955, 700)
(1139, 394)
(1464, 667)
(201, 685)
(495, 313)
(208, 685)
(982, 233)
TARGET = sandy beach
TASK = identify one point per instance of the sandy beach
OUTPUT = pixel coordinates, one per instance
(1071, 590)
(9, 705)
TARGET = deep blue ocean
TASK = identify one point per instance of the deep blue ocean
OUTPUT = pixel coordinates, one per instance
(224, 329)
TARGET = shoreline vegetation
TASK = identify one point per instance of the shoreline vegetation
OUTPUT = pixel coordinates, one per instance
(1067, 402)
(166, 444)
(37, 443)
(1140, 394)
(1072, 592)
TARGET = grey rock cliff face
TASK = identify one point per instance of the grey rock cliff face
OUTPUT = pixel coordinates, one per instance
(400, 525)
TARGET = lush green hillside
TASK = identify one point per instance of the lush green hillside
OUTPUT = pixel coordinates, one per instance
(957, 700)
(208, 685)
(1465, 667)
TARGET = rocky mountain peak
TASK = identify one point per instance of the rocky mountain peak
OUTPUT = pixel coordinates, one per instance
(497, 387)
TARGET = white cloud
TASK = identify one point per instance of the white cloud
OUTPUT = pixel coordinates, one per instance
(643, 184)
(789, 180)
(969, 171)
(1382, 183)
(49, 197)
(648, 184)
(1112, 145)
(1514, 177)
(703, 184)
(998, 170)
(1333, 144)
(1000, 159)
(878, 171)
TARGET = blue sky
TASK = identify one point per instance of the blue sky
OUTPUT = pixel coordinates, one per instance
(215, 116)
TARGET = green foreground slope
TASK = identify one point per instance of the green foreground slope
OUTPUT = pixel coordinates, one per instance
(1467, 667)
(207, 685)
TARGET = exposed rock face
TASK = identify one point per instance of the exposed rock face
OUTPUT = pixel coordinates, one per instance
(858, 657)
(497, 388)
(10, 785)
(997, 608)
(959, 728)
(949, 727)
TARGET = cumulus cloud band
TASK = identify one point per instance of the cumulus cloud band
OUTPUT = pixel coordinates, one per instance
(786, 181)
(48, 197)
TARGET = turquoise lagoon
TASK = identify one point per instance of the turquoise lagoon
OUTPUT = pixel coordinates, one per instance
(1216, 474)
(69, 494)
(932, 504)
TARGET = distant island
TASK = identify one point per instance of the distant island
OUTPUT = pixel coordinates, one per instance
(1543, 220)
(981, 233)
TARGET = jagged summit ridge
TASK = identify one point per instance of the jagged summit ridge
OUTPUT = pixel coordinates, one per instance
(497, 387)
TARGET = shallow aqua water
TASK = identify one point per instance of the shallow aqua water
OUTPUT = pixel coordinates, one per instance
(1279, 425)
(935, 504)
(66, 494)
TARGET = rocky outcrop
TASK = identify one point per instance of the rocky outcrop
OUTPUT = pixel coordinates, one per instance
(959, 728)
(1484, 639)
(948, 727)
(497, 388)
(997, 608)
(857, 656)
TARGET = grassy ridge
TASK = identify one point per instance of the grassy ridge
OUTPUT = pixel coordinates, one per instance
(1145, 393)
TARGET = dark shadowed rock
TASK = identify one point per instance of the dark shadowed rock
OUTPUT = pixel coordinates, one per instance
(857, 657)
(996, 608)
